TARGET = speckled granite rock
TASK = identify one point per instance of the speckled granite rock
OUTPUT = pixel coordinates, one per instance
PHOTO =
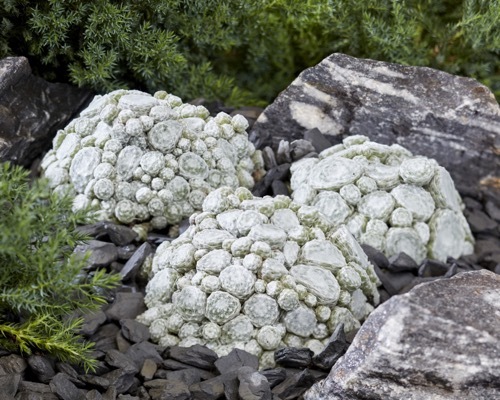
(439, 341)
(32, 110)
(452, 119)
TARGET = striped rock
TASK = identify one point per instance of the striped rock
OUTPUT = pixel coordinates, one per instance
(439, 341)
(452, 119)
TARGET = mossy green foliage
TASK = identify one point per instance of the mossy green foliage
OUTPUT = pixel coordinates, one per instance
(242, 51)
(41, 280)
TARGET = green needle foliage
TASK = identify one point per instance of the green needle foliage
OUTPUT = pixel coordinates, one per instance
(41, 280)
(243, 51)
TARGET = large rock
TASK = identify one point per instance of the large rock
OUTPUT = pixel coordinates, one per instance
(32, 110)
(439, 341)
(452, 119)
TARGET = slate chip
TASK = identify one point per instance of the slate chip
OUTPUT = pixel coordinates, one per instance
(471, 203)
(231, 384)
(295, 385)
(402, 262)
(430, 268)
(9, 384)
(93, 395)
(274, 376)
(117, 359)
(269, 158)
(104, 338)
(12, 364)
(135, 262)
(277, 173)
(210, 389)
(393, 282)
(279, 188)
(317, 139)
(126, 306)
(34, 387)
(235, 359)
(283, 153)
(148, 369)
(172, 379)
(197, 356)
(175, 390)
(336, 347)
(64, 388)
(125, 252)
(118, 234)
(172, 365)
(479, 222)
(299, 148)
(375, 257)
(253, 385)
(5, 395)
(293, 357)
(134, 330)
(101, 253)
(139, 352)
(493, 210)
(122, 344)
(42, 367)
(96, 381)
(121, 379)
(92, 322)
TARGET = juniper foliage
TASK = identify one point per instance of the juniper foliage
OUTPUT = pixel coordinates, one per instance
(242, 51)
(41, 280)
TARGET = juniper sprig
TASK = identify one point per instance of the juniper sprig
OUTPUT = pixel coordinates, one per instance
(41, 280)
(242, 51)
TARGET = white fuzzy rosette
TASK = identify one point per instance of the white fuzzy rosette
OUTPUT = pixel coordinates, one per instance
(388, 198)
(140, 158)
(257, 274)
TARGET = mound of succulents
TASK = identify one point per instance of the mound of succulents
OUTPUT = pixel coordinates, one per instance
(388, 198)
(136, 157)
(257, 274)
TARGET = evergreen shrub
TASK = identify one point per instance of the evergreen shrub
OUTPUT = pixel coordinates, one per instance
(241, 51)
(42, 284)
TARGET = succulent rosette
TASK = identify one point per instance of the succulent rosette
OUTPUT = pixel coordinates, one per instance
(257, 274)
(140, 158)
(388, 198)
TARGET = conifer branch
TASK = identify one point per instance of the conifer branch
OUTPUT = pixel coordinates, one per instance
(41, 280)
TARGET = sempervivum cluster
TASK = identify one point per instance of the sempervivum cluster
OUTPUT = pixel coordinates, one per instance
(387, 198)
(257, 274)
(137, 157)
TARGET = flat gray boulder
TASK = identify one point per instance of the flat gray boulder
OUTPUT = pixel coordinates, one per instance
(32, 110)
(452, 119)
(439, 341)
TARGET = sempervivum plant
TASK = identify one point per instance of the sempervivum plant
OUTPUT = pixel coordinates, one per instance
(388, 198)
(257, 274)
(138, 158)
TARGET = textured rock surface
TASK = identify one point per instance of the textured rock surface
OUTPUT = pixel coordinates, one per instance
(452, 119)
(31, 110)
(439, 341)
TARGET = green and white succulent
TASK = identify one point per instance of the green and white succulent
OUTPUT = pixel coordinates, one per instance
(137, 157)
(387, 198)
(257, 274)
